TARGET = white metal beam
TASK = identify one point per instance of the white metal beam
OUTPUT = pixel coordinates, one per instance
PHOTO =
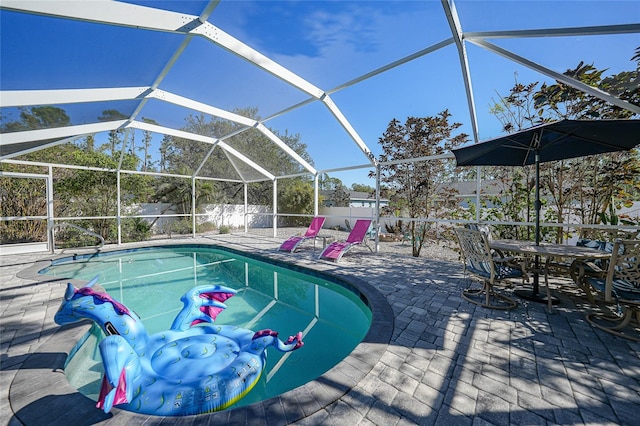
(349, 128)
(23, 175)
(249, 162)
(63, 166)
(558, 32)
(393, 65)
(200, 138)
(59, 132)
(594, 91)
(445, 156)
(130, 15)
(236, 118)
(109, 12)
(103, 169)
(37, 148)
(16, 98)
(201, 107)
(43, 97)
(456, 30)
(232, 160)
(154, 128)
(235, 46)
(286, 148)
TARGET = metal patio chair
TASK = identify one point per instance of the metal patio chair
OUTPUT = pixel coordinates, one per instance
(479, 261)
(619, 284)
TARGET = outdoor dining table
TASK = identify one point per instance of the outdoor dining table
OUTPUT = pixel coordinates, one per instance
(548, 251)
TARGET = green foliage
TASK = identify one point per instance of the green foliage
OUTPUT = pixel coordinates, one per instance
(34, 118)
(587, 187)
(116, 137)
(136, 189)
(335, 191)
(205, 227)
(135, 229)
(414, 185)
(516, 111)
(186, 156)
(563, 101)
(182, 226)
(610, 217)
(85, 192)
(19, 195)
(359, 187)
(327, 183)
(147, 163)
(296, 198)
(67, 237)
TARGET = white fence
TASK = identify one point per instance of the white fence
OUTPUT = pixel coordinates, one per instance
(231, 215)
(259, 216)
(336, 216)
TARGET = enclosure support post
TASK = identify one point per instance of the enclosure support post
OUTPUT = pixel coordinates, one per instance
(246, 208)
(193, 206)
(315, 194)
(377, 221)
(118, 206)
(275, 208)
(49, 194)
(478, 189)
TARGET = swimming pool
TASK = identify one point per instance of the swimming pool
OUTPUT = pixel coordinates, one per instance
(333, 315)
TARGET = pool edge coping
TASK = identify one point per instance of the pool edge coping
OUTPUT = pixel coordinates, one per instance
(291, 406)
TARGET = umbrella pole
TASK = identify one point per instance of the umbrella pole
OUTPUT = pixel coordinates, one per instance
(538, 207)
(533, 294)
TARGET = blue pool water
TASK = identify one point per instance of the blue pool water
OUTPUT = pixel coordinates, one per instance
(332, 315)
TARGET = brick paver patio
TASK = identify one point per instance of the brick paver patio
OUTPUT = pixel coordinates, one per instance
(433, 359)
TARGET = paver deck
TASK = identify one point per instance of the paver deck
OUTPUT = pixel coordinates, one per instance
(433, 358)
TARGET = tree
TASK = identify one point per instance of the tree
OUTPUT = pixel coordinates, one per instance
(38, 118)
(77, 192)
(27, 197)
(87, 193)
(601, 180)
(516, 112)
(414, 184)
(147, 164)
(360, 187)
(557, 101)
(22, 197)
(297, 198)
(587, 190)
(187, 157)
(116, 140)
(335, 190)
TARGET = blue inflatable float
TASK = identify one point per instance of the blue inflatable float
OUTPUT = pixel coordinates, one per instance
(194, 367)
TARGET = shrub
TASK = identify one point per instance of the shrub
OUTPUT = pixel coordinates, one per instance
(206, 227)
(136, 229)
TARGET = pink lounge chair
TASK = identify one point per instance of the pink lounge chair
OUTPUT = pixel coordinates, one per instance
(292, 243)
(357, 236)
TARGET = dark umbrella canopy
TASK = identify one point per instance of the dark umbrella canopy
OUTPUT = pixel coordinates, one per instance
(555, 141)
(559, 140)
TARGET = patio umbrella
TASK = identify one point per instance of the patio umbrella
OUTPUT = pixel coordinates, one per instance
(555, 141)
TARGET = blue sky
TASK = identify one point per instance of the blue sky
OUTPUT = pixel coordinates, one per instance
(326, 42)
